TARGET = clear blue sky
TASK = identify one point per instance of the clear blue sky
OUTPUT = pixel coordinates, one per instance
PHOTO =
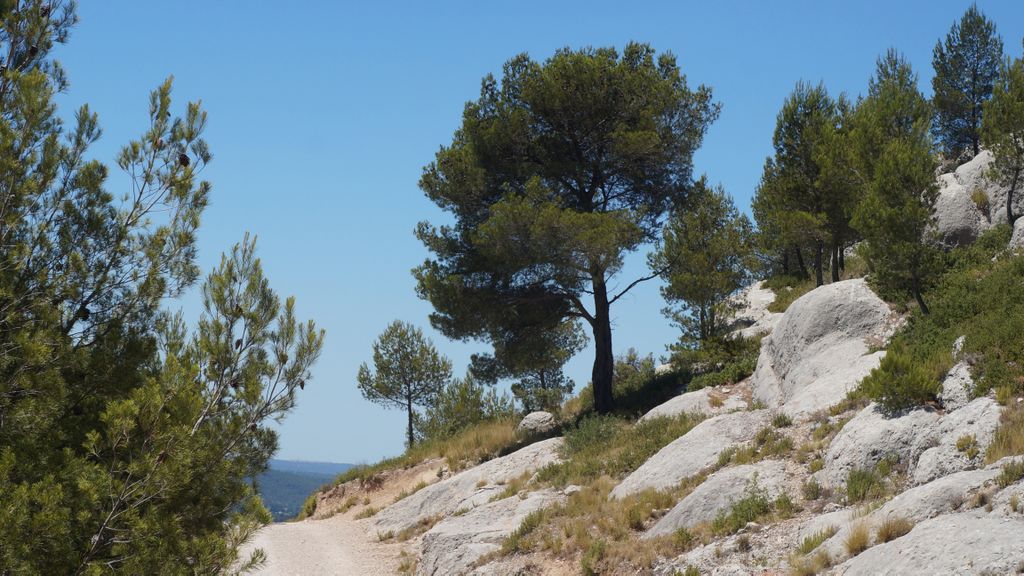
(322, 115)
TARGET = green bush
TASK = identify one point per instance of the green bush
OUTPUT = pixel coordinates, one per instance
(752, 506)
(862, 484)
(900, 381)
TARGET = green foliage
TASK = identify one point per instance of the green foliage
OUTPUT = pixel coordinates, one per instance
(787, 290)
(409, 372)
(612, 446)
(127, 439)
(462, 403)
(705, 255)
(719, 362)
(1012, 472)
(754, 504)
(637, 386)
(891, 151)
(862, 484)
(557, 172)
(966, 66)
(900, 381)
(1002, 131)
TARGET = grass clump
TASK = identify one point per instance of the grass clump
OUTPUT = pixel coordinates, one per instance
(810, 566)
(862, 484)
(787, 289)
(782, 420)
(858, 539)
(1009, 436)
(812, 542)
(892, 528)
(968, 446)
(367, 512)
(1012, 472)
(612, 446)
(755, 504)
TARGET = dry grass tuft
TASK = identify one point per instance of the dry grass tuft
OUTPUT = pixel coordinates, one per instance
(892, 528)
(858, 539)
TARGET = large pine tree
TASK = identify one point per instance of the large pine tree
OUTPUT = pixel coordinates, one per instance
(558, 172)
(966, 67)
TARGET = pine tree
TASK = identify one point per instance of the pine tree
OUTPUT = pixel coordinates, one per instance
(891, 151)
(1003, 131)
(966, 66)
(557, 173)
(125, 438)
(408, 372)
(706, 255)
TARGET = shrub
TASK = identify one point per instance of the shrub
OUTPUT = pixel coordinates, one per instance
(893, 527)
(980, 200)
(1011, 473)
(782, 420)
(1009, 436)
(747, 509)
(812, 489)
(900, 381)
(968, 445)
(787, 289)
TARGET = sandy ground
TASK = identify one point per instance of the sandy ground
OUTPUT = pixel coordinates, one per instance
(333, 542)
(337, 546)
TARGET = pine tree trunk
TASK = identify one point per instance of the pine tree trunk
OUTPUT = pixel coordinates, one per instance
(409, 435)
(842, 257)
(835, 261)
(604, 362)
(918, 297)
(819, 251)
(801, 263)
(1010, 218)
(785, 262)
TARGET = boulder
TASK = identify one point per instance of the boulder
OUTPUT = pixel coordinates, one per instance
(467, 489)
(693, 452)
(957, 387)
(978, 421)
(709, 401)
(873, 435)
(455, 543)
(958, 221)
(537, 423)
(966, 543)
(821, 348)
(719, 491)
(1017, 240)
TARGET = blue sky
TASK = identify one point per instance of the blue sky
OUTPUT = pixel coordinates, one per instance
(322, 115)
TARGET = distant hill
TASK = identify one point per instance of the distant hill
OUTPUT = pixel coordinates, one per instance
(288, 482)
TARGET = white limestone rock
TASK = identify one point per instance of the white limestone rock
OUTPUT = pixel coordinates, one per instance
(977, 420)
(454, 544)
(821, 348)
(719, 491)
(958, 221)
(693, 452)
(709, 401)
(873, 435)
(537, 424)
(467, 489)
(957, 387)
(955, 544)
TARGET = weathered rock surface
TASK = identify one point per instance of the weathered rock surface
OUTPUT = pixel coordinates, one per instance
(467, 489)
(820, 349)
(965, 543)
(977, 421)
(873, 435)
(972, 175)
(719, 491)
(752, 317)
(537, 424)
(709, 401)
(454, 544)
(957, 387)
(693, 452)
(1017, 240)
(958, 220)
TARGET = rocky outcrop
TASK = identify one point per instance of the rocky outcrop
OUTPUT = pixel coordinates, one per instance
(873, 435)
(965, 543)
(693, 452)
(719, 491)
(958, 220)
(957, 387)
(821, 348)
(751, 316)
(467, 489)
(1017, 240)
(973, 176)
(538, 423)
(709, 401)
(453, 545)
(962, 437)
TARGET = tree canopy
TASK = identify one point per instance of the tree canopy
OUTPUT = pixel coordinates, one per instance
(966, 67)
(408, 372)
(557, 172)
(1003, 131)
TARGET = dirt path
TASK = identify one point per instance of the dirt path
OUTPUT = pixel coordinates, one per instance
(338, 546)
